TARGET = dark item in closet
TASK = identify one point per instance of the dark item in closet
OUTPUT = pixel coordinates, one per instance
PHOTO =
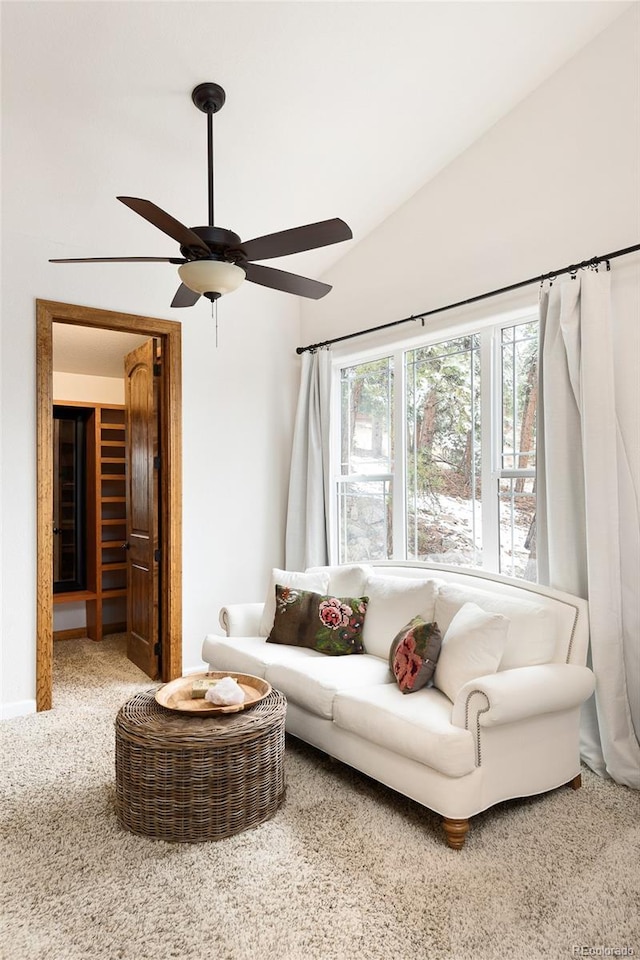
(69, 498)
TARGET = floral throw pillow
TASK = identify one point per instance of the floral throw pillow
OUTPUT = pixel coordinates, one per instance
(414, 654)
(331, 625)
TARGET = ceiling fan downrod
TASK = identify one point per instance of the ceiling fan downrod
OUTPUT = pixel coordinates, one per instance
(214, 261)
(209, 97)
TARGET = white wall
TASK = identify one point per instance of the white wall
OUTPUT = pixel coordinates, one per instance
(82, 388)
(555, 182)
(238, 405)
(69, 616)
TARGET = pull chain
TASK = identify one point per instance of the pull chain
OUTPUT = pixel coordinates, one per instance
(214, 316)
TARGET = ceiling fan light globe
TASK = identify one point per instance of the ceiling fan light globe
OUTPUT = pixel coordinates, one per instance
(211, 276)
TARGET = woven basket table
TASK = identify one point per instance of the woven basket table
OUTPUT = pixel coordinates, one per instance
(189, 778)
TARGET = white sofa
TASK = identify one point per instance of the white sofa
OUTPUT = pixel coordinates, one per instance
(511, 733)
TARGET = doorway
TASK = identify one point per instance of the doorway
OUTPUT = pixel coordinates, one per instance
(168, 333)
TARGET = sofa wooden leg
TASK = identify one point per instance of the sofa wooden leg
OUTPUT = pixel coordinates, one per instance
(576, 783)
(456, 832)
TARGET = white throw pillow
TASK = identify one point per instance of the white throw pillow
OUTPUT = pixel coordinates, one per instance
(532, 631)
(472, 647)
(317, 582)
(393, 602)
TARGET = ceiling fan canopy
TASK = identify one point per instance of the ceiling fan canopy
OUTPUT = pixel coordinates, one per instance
(214, 261)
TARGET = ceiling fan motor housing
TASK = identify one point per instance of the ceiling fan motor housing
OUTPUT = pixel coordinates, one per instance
(223, 244)
(218, 273)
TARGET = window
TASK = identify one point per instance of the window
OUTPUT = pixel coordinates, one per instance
(366, 461)
(516, 470)
(437, 453)
(443, 446)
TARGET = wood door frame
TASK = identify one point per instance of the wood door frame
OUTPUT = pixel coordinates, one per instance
(49, 312)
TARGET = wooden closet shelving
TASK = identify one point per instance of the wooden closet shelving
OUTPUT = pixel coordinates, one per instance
(106, 523)
(110, 614)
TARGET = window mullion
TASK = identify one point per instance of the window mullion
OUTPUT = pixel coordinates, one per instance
(490, 405)
(398, 489)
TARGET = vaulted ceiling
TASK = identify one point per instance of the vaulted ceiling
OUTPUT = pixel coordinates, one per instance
(333, 109)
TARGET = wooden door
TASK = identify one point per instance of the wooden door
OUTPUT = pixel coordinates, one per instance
(143, 555)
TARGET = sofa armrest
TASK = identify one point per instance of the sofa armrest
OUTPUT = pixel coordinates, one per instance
(511, 695)
(241, 619)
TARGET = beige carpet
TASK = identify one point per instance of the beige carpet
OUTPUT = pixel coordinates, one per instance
(346, 868)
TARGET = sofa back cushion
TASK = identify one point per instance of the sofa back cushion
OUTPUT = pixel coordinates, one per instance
(393, 602)
(531, 635)
(345, 580)
(317, 582)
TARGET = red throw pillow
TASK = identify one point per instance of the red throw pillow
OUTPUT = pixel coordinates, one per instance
(414, 654)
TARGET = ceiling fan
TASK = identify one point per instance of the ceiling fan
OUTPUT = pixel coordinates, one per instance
(215, 261)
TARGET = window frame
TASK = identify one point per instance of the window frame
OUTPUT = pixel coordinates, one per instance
(335, 446)
(489, 331)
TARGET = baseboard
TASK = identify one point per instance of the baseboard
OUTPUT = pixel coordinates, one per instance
(201, 669)
(77, 633)
(80, 633)
(19, 708)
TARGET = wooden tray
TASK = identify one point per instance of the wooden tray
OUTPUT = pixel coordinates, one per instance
(176, 695)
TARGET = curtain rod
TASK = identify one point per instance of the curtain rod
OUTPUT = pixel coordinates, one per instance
(573, 269)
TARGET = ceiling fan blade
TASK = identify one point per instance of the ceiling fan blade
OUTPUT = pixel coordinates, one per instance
(165, 222)
(287, 282)
(185, 297)
(297, 239)
(119, 260)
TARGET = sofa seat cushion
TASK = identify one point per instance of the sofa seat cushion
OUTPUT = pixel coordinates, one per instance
(418, 727)
(314, 684)
(251, 654)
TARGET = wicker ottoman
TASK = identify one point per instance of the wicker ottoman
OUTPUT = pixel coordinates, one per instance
(188, 778)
